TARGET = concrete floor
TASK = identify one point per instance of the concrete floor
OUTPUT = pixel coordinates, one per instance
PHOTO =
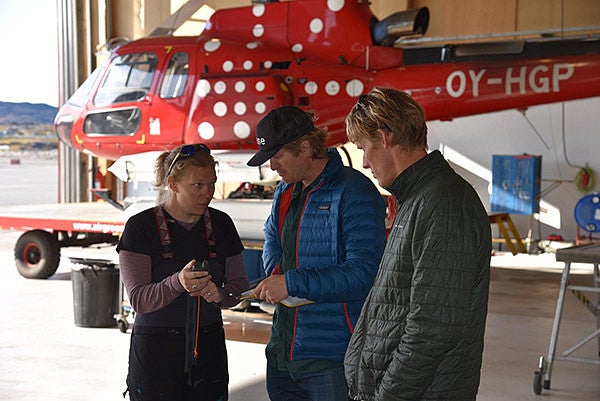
(44, 356)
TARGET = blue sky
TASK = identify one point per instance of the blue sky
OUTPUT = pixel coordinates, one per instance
(29, 61)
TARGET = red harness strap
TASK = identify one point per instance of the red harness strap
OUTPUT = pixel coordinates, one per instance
(165, 236)
(163, 231)
(210, 236)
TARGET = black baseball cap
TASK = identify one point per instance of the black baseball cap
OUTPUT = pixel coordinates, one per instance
(279, 127)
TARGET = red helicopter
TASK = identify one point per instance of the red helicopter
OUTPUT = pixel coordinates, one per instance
(159, 92)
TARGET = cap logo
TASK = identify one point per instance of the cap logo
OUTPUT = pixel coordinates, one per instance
(261, 141)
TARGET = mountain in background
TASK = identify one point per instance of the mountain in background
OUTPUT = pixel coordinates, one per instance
(26, 113)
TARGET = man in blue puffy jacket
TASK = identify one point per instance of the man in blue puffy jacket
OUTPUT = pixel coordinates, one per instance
(323, 242)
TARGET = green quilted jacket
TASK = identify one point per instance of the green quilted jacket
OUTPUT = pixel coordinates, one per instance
(420, 333)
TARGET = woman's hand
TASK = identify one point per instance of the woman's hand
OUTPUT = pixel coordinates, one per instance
(199, 283)
(211, 293)
(193, 282)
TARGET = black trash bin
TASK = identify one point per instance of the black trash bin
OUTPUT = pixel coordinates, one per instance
(95, 293)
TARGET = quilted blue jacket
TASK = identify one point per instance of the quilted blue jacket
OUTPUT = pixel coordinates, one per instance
(339, 246)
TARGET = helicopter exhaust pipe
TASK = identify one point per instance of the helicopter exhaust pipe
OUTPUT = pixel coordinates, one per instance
(402, 23)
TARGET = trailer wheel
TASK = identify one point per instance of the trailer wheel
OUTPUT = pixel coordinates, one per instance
(37, 254)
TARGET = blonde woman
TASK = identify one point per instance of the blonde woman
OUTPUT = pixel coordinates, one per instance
(177, 347)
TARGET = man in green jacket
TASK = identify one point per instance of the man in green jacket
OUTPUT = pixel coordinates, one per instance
(420, 333)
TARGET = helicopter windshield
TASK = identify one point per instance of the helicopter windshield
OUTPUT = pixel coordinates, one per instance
(80, 96)
(128, 79)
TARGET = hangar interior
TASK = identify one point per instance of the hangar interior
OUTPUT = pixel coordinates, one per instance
(92, 363)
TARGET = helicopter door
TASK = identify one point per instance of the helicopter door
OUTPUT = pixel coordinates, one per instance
(170, 102)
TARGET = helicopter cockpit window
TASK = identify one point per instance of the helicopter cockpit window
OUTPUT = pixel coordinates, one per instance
(176, 75)
(128, 79)
(78, 98)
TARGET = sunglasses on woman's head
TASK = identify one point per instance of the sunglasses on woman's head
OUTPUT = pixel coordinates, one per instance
(362, 101)
(187, 151)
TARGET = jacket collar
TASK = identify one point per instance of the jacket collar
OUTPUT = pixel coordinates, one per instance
(333, 165)
(414, 175)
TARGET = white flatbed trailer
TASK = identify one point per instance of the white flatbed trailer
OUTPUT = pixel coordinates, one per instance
(50, 227)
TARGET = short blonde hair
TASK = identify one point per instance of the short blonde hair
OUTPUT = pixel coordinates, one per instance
(393, 111)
